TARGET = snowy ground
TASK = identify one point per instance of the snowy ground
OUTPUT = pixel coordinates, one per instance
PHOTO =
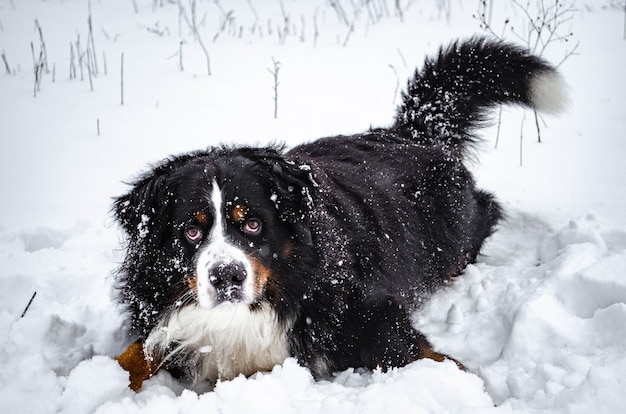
(540, 320)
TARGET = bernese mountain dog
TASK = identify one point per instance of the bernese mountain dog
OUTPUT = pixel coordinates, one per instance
(238, 258)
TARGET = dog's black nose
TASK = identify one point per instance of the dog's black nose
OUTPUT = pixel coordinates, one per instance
(226, 275)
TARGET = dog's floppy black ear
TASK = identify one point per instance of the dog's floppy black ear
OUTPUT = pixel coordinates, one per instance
(292, 185)
(140, 211)
(290, 182)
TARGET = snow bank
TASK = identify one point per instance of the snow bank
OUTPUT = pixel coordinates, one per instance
(538, 321)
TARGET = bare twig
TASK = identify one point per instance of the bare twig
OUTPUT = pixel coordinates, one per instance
(122, 80)
(350, 31)
(256, 17)
(402, 58)
(303, 28)
(545, 27)
(7, 68)
(80, 55)
(274, 72)
(316, 31)
(499, 124)
(399, 10)
(569, 53)
(395, 92)
(285, 30)
(38, 66)
(43, 46)
(91, 42)
(537, 125)
(90, 69)
(30, 302)
(341, 13)
(194, 27)
(180, 56)
(72, 62)
(227, 19)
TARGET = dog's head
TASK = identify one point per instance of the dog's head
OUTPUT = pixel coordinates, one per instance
(211, 227)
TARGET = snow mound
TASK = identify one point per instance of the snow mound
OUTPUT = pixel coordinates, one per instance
(538, 321)
(544, 324)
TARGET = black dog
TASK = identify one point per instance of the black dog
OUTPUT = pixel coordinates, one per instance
(238, 258)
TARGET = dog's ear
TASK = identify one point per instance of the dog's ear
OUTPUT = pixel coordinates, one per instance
(290, 183)
(141, 210)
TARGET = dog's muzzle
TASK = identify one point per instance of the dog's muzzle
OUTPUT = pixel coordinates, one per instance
(223, 274)
(228, 281)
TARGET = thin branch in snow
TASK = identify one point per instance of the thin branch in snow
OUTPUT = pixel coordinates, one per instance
(90, 41)
(122, 80)
(192, 23)
(395, 92)
(90, 68)
(350, 31)
(30, 302)
(274, 72)
(38, 66)
(180, 56)
(72, 62)
(341, 13)
(7, 68)
(42, 45)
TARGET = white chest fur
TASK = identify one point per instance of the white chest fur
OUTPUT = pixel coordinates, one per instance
(220, 342)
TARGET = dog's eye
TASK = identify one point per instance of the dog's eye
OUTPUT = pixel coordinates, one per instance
(193, 234)
(252, 226)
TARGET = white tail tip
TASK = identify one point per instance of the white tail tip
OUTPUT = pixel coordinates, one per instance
(548, 92)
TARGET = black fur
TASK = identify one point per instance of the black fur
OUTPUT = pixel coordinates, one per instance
(368, 225)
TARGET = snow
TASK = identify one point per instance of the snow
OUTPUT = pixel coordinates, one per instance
(539, 320)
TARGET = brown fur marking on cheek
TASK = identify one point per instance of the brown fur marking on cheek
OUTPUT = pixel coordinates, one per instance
(262, 275)
(238, 213)
(138, 366)
(192, 283)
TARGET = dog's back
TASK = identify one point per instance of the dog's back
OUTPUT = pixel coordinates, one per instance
(396, 214)
(402, 194)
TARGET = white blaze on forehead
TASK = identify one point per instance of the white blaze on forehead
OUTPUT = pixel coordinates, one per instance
(217, 232)
(219, 251)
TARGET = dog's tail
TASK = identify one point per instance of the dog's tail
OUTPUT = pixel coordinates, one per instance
(451, 95)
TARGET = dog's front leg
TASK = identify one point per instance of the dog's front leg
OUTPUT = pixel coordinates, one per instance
(138, 366)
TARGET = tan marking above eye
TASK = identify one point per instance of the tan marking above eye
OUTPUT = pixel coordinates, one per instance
(202, 218)
(238, 213)
(288, 249)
